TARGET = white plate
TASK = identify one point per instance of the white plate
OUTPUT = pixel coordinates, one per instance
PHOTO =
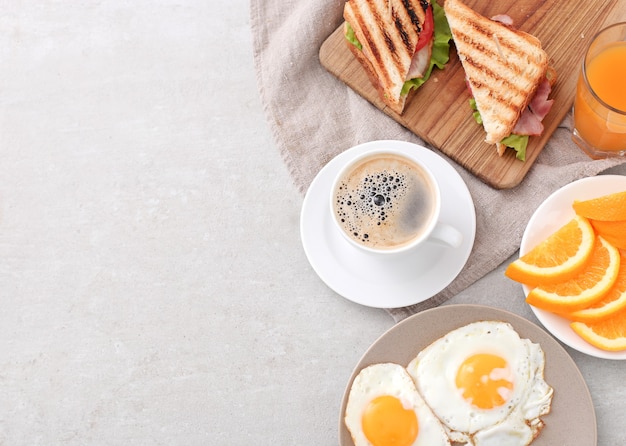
(572, 419)
(386, 283)
(550, 216)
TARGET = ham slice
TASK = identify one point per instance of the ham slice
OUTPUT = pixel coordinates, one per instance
(541, 105)
(530, 121)
(503, 18)
(420, 62)
(528, 124)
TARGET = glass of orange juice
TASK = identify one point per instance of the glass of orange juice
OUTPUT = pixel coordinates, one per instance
(600, 101)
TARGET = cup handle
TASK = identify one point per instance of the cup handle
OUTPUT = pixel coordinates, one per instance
(447, 235)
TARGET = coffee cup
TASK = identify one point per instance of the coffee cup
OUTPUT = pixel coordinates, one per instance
(385, 201)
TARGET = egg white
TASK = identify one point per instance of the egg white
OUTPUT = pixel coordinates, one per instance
(390, 379)
(517, 421)
(523, 424)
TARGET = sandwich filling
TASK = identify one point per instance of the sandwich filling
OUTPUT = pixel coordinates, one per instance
(440, 47)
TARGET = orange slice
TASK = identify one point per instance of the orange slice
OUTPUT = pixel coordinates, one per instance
(611, 207)
(609, 334)
(611, 303)
(559, 257)
(597, 277)
(613, 232)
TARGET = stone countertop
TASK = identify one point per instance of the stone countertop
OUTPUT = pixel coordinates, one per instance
(153, 286)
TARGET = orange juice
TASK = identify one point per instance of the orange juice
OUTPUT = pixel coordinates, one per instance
(606, 74)
(600, 126)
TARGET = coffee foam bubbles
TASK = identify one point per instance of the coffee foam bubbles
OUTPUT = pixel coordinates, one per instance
(384, 202)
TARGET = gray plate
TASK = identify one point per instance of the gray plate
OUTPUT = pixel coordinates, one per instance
(572, 419)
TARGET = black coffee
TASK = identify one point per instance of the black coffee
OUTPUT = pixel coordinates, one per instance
(385, 201)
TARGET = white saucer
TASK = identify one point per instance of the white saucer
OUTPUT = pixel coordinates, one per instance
(390, 282)
(553, 213)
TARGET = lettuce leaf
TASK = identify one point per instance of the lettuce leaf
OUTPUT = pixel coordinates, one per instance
(519, 143)
(351, 37)
(516, 142)
(476, 113)
(441, 48)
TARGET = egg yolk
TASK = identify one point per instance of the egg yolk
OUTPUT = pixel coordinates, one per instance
(484, 380)
(387, 423)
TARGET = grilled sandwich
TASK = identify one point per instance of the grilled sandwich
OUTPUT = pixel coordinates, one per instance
(393, 41)
(505, 69)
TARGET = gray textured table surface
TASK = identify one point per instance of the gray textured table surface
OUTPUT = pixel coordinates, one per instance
(153, 285)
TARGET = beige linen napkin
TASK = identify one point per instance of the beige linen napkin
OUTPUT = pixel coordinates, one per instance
(313, 117)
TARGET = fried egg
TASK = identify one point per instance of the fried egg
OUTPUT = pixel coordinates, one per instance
(485, 384)
(385, 409)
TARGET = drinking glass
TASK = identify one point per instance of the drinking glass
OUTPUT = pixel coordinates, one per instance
(600, 101)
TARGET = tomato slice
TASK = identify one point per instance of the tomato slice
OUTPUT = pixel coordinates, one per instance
(427, 29)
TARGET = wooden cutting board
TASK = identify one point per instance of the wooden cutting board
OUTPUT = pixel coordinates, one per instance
(439, 112)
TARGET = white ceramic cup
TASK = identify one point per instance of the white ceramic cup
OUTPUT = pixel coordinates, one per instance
(387, 202)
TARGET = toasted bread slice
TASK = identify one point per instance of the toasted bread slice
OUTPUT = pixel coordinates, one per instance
(388, 31)
(503, 67)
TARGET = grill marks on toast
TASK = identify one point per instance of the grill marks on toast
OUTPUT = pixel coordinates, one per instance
(402, 31)
(389, 32)
(510, 75)
(503, 67)
(413, 15)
